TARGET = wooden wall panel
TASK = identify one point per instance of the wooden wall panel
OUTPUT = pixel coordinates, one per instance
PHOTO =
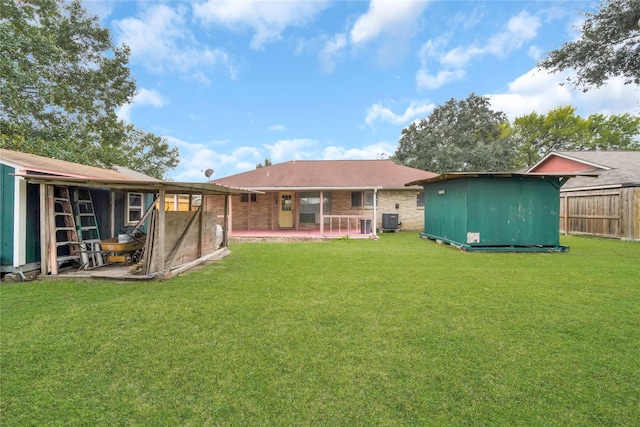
(183, 244)
(613, 212)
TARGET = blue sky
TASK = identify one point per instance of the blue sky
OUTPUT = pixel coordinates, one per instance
(231, 83)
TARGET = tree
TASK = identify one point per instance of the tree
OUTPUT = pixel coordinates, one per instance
(609, 46)
(458, 136)
(267, 162)
(536, 135)
(63, 81)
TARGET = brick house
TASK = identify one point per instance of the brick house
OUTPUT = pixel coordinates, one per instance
(355, 194)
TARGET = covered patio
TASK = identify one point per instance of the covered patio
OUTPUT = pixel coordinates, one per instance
(171, 242)
(301, 234)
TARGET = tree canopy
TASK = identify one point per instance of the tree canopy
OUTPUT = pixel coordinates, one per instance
(467, 135)
(536, 135)
(609, 46)
(461, 135)
(63, 81)
(267, 162)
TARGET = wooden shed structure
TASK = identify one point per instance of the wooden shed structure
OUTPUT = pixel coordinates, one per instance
(608, 206)
(56, 214)
(494, 211)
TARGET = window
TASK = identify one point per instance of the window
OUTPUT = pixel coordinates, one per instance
(420, 199)
(356, 199)
(244, 197)
(134, 208)
(310, 207)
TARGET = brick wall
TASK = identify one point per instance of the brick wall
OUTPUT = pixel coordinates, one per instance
(263, 213)
(411, 217)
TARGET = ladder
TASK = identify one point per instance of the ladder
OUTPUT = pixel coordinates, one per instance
(66, 237)
(87, 229)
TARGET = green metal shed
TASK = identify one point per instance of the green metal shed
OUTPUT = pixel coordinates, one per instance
(494, 211)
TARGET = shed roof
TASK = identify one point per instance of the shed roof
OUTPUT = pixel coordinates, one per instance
(614, 168)
(327, 174)
(458, 175)
(38, 169)
(169, 187)
(25, 163)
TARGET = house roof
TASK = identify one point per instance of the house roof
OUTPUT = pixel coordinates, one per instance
(614, 168)
(327, 174)
(30, 163)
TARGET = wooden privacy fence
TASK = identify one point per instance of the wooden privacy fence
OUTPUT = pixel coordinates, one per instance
(610, 212)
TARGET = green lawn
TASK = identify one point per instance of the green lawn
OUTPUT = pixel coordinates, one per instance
(400, 331)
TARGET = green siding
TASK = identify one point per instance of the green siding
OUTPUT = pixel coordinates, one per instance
(6, 214)
(512, 211)
(498, 211)
(446, 209)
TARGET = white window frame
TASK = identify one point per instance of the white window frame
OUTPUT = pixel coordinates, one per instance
(418, 205)
(133, 208)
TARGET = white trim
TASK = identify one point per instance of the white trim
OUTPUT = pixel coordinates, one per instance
(22, 169)
(374, 226)
(112, 216)
(361, 188)
(128, 209)
(19, 222)
(595, 187)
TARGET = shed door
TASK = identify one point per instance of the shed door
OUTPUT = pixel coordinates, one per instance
(285, 210)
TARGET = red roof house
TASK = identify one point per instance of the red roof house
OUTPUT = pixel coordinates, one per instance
(606, 206)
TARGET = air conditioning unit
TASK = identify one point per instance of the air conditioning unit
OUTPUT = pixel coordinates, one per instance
(390, 222)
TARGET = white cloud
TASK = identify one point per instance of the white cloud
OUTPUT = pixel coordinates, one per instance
(424, 80)
(102, 9)
(460, 56)
(195, 158)
(143, 97)
(430, 52)
(290, 149)
(331, 50)
(268, 19)
(369, 152)
(277, 128)
(161, 40)
(539, 91)
(520, 29)
(379, 113)
(535, 52)
(390, 17)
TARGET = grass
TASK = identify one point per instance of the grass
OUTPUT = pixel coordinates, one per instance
(400, 331)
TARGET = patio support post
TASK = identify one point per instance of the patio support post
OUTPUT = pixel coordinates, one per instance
(226, 229)
(19, 222)
(161, 231)
(249, 211)
(200, 214)
(44, 231)
(52, 249)
(321, 213)
(375, 211)
(112, 215)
